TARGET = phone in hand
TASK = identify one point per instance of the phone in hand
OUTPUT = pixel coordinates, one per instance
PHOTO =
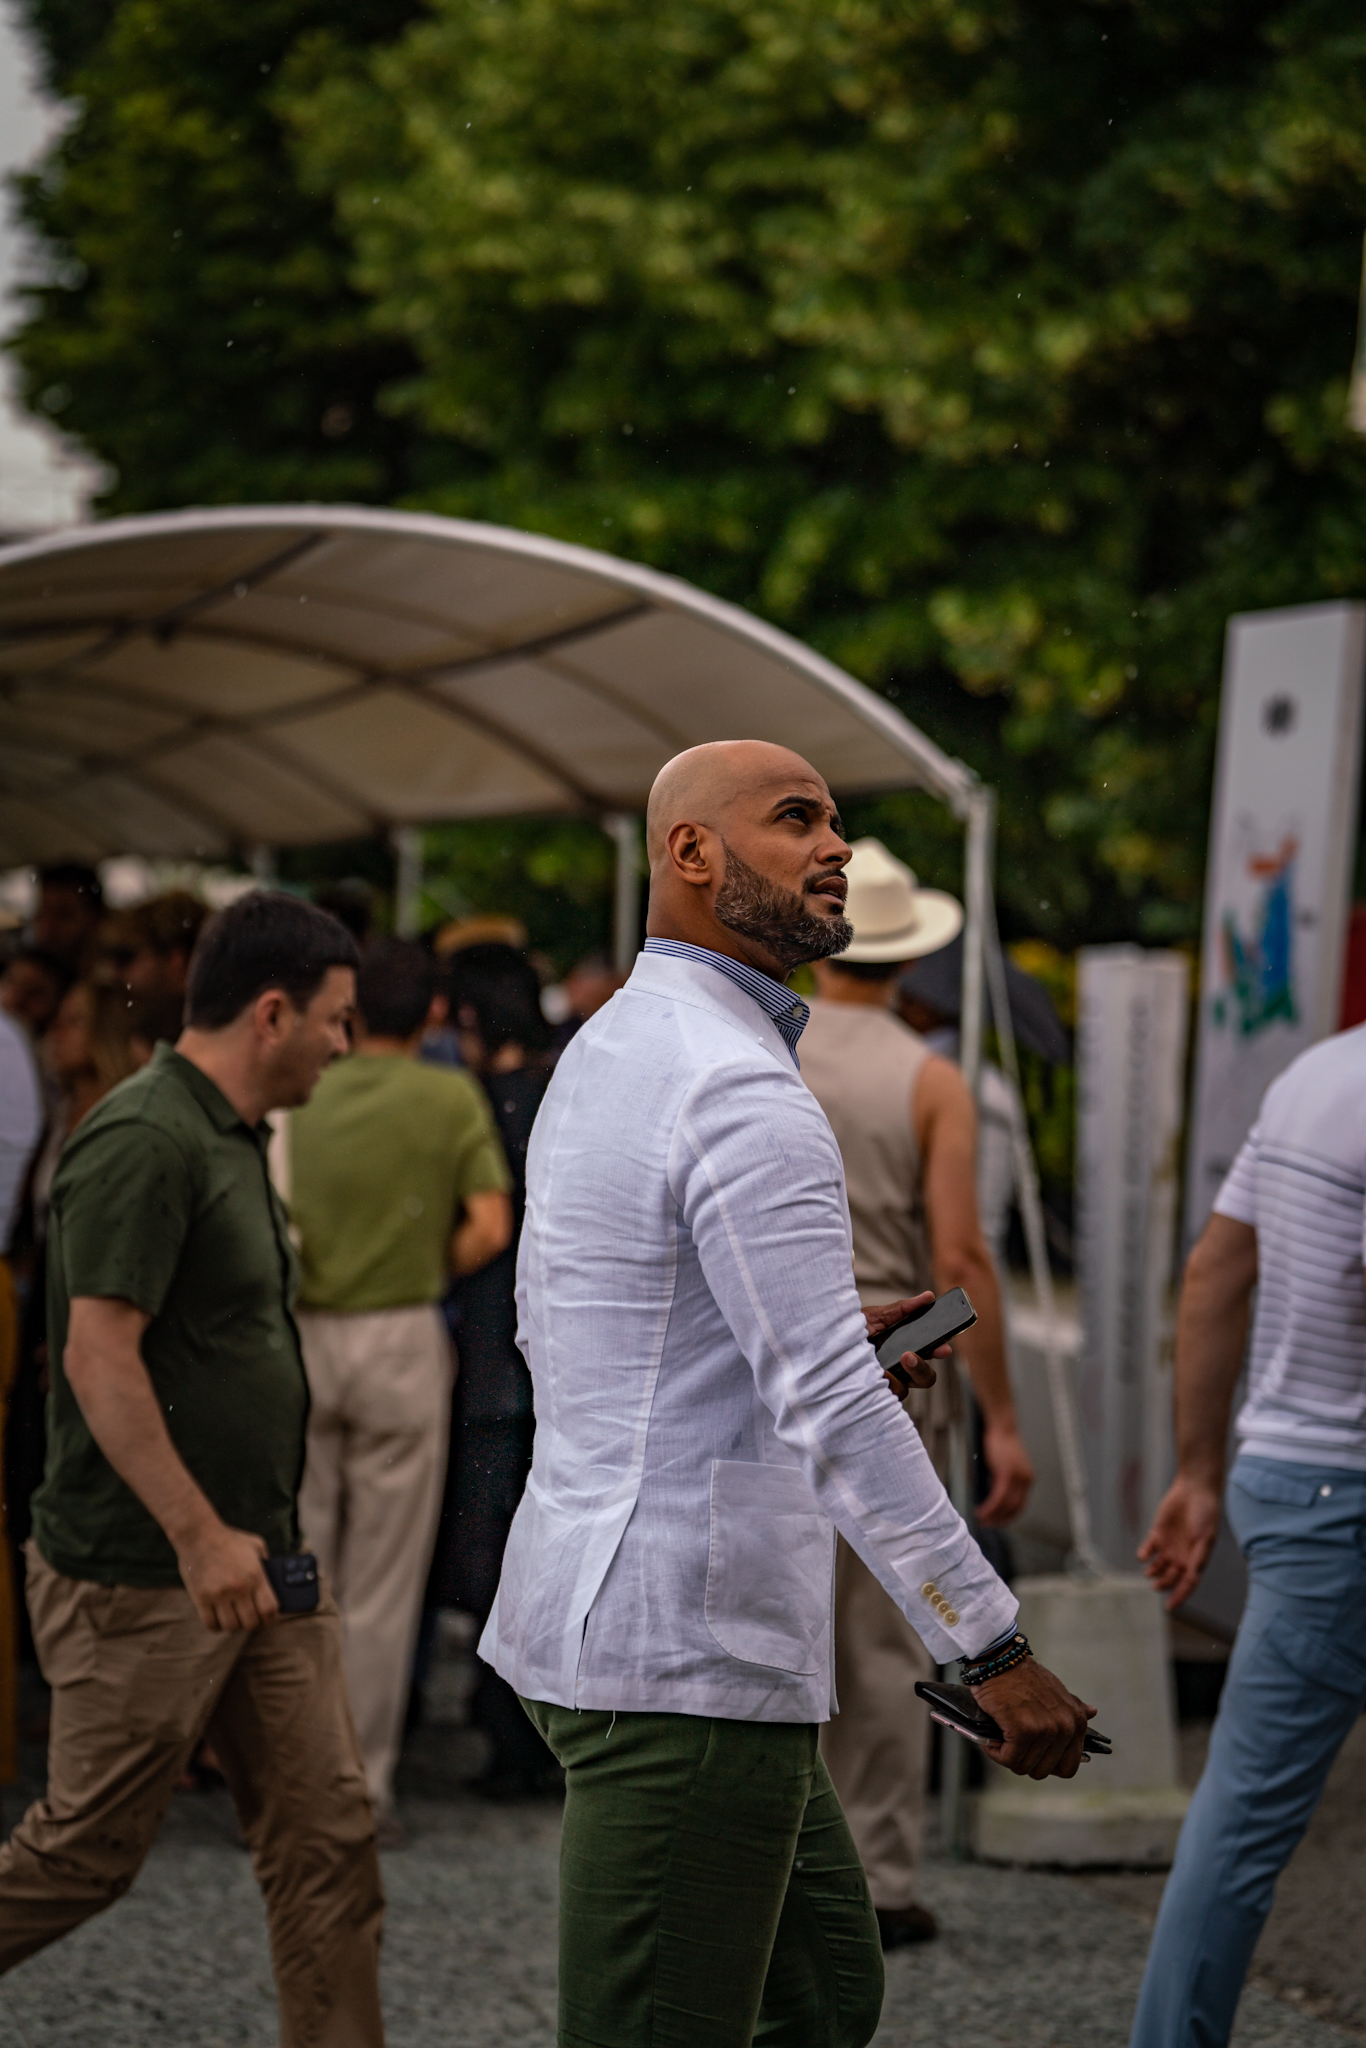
(927, 1329)
(956, 1707)
(294, 1580)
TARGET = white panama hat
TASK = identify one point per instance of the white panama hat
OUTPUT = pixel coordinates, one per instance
(893, 917)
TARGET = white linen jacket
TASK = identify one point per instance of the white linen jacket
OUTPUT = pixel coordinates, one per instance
(708, 1407)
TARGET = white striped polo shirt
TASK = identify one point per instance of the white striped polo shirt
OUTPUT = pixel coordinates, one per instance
(1300, 1180)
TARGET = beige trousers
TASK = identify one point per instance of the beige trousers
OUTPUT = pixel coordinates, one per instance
(378, 1433)
(136, 1681)
(877, 1747)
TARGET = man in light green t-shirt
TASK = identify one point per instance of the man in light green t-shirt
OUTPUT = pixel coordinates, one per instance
(396, 1180)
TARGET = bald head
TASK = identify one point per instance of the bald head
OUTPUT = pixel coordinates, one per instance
(703, 785)
(746, 856)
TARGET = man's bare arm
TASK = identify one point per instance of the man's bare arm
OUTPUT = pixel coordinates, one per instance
(946, 1131)
(1211, 1337)
(483, 1231)
(220, 1567)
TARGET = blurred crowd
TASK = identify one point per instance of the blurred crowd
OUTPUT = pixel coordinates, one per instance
(85, 995)
(387, 1189)
(87, 992)
(406, 1204)
(405, 1182)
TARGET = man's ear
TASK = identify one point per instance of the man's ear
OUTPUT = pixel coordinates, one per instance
(271, 1014)
(692, 851)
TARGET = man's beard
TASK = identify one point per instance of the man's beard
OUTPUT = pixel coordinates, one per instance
(775, 918)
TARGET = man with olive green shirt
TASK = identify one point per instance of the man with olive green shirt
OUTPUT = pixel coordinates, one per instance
(175, 1443)
(397, 1179)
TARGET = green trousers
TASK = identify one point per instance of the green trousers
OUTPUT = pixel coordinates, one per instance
(710, 1892)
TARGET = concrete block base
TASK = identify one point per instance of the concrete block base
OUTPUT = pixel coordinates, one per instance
(1106, 1639)
(1080, 1831)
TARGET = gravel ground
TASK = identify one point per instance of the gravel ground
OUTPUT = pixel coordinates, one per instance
(1029, 1959)
(1311, 1952)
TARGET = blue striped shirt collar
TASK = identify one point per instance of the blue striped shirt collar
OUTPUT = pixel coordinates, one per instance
(788, 1013)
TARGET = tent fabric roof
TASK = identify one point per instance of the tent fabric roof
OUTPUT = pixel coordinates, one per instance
(193, 683)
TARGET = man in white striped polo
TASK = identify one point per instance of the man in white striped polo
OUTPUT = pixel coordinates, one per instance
(1290, 1221)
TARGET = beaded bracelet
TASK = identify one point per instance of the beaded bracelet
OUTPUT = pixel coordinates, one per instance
(977, 1671)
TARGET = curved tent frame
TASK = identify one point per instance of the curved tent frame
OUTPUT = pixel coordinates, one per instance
(201, 683)
(196, 683)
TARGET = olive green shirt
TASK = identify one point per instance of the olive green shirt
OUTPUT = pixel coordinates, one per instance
(162, 1199)
(380, 1163)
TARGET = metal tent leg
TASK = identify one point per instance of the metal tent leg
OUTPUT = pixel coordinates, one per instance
(406, 841)
(984, 977)
(981, 833)
(1062, 1394)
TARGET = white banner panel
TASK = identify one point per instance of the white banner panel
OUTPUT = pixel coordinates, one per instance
(1131, 1049)
(1282, 838)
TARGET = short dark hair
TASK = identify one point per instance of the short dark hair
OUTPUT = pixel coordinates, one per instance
(353, 901)
(73, 875)
(58, 971)
(394, 988)
(496, 986)
(265, 940)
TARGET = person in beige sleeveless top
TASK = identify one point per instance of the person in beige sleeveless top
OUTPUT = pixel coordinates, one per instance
(905, 1125)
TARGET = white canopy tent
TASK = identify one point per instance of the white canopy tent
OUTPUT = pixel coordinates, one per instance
(198, 684)
(200, 681)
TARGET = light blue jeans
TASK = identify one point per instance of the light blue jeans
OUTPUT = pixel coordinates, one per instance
(1296, 1683)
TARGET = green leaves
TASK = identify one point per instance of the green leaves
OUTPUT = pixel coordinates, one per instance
(1001, 352)
(198, 307)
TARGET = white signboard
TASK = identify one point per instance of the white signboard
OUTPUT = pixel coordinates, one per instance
(1131, 1050)
(1282, 838)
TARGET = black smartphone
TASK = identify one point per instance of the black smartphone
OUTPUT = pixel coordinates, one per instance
(295, 1580)
(956, 1707)
(927, 1329)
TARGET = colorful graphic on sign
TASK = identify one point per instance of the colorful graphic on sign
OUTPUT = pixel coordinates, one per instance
(1282, 834)
(1259, 964)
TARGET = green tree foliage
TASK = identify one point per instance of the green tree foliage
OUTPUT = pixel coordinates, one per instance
(999, 347)
(196, 326)
(553, 874)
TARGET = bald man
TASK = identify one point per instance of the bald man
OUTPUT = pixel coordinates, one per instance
(709, 1410)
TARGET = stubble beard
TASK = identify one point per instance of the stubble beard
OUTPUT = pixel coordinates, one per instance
(775, 918)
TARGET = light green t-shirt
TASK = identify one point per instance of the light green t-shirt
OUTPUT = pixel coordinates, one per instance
(380, 1162)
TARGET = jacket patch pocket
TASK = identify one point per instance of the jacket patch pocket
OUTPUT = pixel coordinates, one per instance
(769, 1567)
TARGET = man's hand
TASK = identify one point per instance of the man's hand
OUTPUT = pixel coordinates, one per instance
(1176, 1549)
(1011, 1472)
(221, 1570)
(1043, 1722)
(220, 1567)
(911, 1368)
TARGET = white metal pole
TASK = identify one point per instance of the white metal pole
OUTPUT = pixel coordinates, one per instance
(1062, 1394)
(624, 828)
(981, 823)
(979, 852)
(406, 841)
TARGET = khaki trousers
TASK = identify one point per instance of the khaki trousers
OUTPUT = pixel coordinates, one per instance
(877, 1747)
(378, 1434)
(136, 1681)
